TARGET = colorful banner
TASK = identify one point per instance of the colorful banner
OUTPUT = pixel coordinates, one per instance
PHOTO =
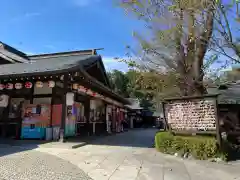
(70, 121)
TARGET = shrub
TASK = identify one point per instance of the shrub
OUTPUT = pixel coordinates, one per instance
(200, 147)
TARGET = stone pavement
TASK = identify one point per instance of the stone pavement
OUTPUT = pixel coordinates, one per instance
(129, 156)
(21, 164)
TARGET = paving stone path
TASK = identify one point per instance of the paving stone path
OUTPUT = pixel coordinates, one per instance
(125, 156)
(19, 164)
(129, 156)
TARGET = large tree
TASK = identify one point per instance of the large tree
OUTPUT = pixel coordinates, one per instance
(180, 32)
(227, 37)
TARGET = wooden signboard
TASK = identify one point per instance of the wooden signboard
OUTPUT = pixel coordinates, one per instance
(191, 114)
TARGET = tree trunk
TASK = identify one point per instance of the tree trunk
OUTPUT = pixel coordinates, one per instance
(190, 64)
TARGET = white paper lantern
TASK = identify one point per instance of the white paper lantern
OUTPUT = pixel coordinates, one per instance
(18, 86)
(39, 84)
(51, 84)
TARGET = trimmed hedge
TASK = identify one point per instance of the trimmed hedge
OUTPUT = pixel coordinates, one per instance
(199, 147)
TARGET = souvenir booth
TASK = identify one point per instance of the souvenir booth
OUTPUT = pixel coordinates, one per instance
(53, 98)
(98, 116)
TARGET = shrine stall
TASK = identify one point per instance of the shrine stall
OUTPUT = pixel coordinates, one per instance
(97, 116)
(54, 98)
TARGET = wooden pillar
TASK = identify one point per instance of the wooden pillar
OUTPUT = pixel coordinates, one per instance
(166, 125)
(218, 132)
(87, 109)
(31, 95)
(107, 119)
(52, 103)
(63, 120)
(6, 117)
(87, 115)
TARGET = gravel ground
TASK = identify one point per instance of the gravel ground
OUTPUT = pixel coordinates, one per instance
(16, 164)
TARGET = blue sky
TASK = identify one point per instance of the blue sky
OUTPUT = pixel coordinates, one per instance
(45, 26)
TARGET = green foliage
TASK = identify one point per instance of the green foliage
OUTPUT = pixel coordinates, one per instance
(200, 147)
(232, 151)
(149, 87)
(177, 38)
(119, 82)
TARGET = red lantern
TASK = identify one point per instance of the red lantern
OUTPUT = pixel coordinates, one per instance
(28, 85)
(94, 94)
(9, 86)
(2, 86)
(18, 86)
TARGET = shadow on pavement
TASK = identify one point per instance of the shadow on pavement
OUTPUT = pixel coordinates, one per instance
(11, 146)
(143, 138)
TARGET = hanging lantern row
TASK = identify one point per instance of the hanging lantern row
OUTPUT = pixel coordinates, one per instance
(82, 89)
(28, 85)
(61, 77)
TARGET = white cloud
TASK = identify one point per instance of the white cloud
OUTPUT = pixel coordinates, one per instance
(111, 63)
(26, 16)
(84, 3)
(49, 46)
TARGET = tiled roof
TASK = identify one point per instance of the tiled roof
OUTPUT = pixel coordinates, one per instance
(47, 65)
(13, 50)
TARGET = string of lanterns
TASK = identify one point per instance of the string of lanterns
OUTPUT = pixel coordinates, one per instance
(84, 90)
(8, 85)
(27, 85)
